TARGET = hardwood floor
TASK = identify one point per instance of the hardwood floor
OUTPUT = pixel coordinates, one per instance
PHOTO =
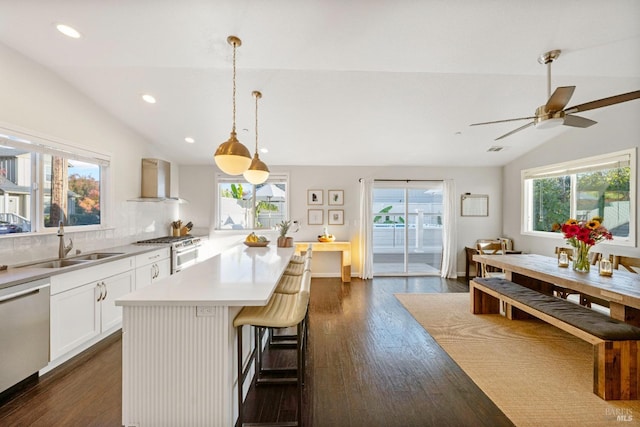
(369, 363)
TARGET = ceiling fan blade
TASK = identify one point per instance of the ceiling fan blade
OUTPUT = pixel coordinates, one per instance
(577, 121)
(503, 121)
(559, 98)
(604, 102)
(515, 130)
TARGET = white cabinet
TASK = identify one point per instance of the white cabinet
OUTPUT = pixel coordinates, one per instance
(82, 303)
(75, 319)
(152, 266)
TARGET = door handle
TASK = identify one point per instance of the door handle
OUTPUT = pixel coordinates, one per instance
(103, 291)
(23, 293)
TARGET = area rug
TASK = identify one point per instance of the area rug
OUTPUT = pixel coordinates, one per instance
(535, 373)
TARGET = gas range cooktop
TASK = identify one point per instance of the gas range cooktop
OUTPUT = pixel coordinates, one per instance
(176, 242)
(167, 239)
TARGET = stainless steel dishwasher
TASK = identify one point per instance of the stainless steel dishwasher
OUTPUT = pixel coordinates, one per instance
(24, 331)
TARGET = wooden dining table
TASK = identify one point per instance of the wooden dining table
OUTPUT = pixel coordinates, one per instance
(542, 273)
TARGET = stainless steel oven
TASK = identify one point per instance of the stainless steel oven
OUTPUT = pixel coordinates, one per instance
(184, 254)
(184, 250)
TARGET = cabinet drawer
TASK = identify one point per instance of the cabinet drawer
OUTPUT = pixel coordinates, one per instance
(73, 279)
(153, 256)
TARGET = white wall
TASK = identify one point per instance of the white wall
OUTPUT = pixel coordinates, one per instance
(36, 100)
(618, 128)
(302, 178)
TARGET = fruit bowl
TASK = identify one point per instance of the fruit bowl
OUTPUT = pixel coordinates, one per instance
(257, 244)
(326, 239)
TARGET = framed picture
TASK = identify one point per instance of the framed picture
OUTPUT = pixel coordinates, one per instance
(315, 216)
(314, 197)
(336, 216)
(336, 197)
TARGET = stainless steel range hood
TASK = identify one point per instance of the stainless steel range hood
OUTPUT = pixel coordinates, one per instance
(156, 182)
(156, 179)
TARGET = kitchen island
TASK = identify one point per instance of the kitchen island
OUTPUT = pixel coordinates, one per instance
(178, 346)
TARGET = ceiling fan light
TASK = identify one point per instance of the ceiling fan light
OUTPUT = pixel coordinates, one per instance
(550, 123)
(232, 157)
(258, 172)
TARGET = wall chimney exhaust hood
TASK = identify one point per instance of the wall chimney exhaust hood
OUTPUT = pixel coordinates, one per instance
(156, 182)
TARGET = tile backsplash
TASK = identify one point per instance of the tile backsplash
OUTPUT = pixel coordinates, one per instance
(130, 222)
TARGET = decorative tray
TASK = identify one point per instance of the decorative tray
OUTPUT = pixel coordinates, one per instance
(326, 239)
(257, 244)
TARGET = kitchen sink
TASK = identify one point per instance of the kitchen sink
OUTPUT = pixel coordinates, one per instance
(76, 260)
(59, 263)
(95, 256)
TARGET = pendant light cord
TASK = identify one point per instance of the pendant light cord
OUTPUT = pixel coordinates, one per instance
(234, 88)
(257, 123)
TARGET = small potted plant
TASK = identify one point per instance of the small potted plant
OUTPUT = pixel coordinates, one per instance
(283, 227)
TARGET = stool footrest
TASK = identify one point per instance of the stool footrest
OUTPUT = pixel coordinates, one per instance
(284, 380)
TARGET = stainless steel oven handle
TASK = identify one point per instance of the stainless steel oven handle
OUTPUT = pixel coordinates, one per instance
(187, 251)
(23, 293)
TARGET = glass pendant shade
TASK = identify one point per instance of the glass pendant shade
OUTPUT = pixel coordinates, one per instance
(258, 172)
(232, 157)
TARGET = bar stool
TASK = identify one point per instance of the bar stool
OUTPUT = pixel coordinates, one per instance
(300, 259)
(290, 283)
(282, 311)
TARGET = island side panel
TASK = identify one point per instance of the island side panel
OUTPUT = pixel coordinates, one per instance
(176, 366)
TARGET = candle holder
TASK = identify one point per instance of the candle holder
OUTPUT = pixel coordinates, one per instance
(605, 268)
(563, 260)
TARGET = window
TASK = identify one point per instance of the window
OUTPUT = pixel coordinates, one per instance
(601, 186)
(242, 205)
(43, 182)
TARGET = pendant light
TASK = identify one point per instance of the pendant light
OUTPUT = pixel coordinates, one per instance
(258, 172)
(232, 157)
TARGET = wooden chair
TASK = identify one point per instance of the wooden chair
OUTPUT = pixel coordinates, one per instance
(628, 263)
(495, 247)
(564, 293)
(559, 290)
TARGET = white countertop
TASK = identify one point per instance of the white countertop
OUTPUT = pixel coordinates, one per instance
(239, 276)
(16, 275)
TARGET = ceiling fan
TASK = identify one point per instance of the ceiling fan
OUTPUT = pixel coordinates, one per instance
(553, 112)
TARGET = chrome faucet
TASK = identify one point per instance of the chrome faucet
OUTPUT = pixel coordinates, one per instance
(62, 249)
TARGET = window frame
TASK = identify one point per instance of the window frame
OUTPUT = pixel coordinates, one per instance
(571, 168)
(274, 178)
(38, 146)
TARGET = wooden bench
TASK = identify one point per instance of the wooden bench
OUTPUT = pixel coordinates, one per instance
(616, 364)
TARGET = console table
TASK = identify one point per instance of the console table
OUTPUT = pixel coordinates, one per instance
(343, 247)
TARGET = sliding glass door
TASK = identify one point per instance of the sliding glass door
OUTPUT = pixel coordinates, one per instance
(407, 228)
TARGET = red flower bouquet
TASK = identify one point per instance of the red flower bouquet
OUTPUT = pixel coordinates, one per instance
(582, 235)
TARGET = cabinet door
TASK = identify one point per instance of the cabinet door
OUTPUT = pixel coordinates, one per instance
(75, 318)
(115, 287)
(163, 269)
(150, 273)
(144, 275)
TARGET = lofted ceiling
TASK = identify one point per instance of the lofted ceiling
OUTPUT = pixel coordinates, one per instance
(361, 82)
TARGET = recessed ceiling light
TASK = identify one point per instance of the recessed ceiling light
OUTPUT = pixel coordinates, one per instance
(68, 31)
(190, 140)
(148, 98)
(264, 150)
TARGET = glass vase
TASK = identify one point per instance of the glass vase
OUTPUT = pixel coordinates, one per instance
(581, 258)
